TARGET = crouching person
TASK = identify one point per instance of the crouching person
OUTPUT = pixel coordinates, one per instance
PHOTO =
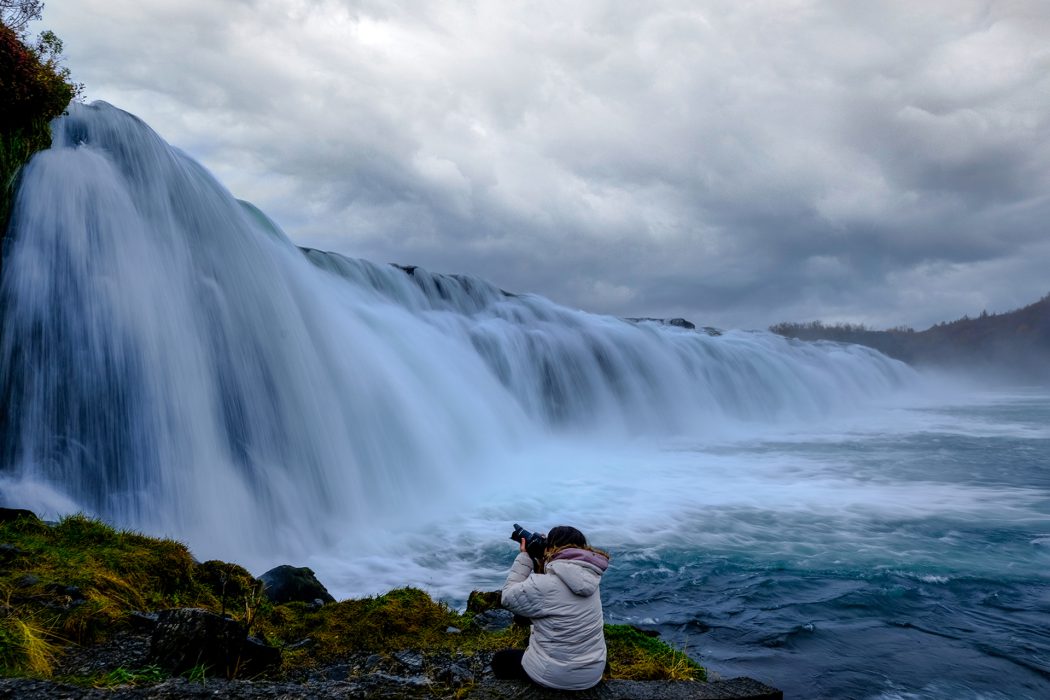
(566, 647)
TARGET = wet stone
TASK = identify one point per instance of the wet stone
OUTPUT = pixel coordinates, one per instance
(10, 552)
(455, 675)
(411, 660)
(142, 620)
(372, 662)
(301, 644)
(493, 620)
(27, 581)
(286, 584)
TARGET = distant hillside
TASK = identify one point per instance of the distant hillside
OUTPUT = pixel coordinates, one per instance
(1015, 344)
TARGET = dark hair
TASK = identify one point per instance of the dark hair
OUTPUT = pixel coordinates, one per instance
(565, 536)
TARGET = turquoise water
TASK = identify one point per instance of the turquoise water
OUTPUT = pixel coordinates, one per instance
(881, 600)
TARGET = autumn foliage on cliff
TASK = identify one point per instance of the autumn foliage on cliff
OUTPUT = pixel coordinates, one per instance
(32, 85)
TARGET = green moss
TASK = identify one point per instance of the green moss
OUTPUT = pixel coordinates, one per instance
(637, 656)
(405, 618)
(77, 581)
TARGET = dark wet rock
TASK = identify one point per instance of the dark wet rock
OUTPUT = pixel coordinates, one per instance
(304, 643)
(126, 650)
(335, 672)
(12, 514)
(189, 637)
(678, 323)
(380, 679)
(27, 581)
(410, 660)
(455, 675)
(372, 662)
(493, 620)
(142, 620)
(286, 584)
(72, 593)
(257, 657)
(10, 552)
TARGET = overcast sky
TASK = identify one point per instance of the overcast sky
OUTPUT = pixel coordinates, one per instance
(735, 163)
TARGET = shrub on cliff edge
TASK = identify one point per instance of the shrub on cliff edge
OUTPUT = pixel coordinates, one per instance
(34, 89)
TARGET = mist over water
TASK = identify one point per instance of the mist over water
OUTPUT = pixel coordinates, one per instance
(170, 361)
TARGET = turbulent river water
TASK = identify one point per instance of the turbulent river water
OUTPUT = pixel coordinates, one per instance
(815, 515)
(901, 552)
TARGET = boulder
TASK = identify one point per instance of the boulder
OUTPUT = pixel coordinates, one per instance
(493, 620)
(188, 637)
(287, 584)
(10, 552)
(12, 514)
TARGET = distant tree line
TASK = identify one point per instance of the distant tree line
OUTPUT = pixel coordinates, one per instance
(1016, 342)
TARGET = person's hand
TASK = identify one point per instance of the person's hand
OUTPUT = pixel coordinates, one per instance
(522, 545)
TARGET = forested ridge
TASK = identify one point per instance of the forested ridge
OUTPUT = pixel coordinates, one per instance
(1015, 343)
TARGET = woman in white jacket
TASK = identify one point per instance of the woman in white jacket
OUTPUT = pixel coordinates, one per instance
(567, 643)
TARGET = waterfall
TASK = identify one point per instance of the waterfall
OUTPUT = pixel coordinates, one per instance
(170, 360)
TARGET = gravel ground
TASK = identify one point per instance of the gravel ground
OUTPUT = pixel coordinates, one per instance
(405, 675)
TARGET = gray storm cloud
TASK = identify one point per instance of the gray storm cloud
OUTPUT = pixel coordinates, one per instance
(735, 163)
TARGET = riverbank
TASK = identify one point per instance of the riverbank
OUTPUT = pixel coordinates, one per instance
(91, 611)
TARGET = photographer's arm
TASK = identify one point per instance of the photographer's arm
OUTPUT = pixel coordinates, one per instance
(522, 592)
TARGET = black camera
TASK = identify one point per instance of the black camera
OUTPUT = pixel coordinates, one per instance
(535, 543)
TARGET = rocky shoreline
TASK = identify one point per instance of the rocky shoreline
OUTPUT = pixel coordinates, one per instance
(407, 675)
(89, 611)
(391, 689)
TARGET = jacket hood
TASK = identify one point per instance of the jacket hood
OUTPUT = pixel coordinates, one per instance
(579, 569)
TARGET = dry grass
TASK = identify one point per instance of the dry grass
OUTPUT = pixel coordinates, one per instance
(26, 645)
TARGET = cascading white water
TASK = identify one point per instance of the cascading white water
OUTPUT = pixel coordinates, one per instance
(172, 362)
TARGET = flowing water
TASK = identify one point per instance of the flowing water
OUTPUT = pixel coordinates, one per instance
(815, 515)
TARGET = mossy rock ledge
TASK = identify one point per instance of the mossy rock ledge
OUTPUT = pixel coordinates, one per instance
(82, 603)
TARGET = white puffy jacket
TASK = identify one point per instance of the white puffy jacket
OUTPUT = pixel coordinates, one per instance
(567, 644)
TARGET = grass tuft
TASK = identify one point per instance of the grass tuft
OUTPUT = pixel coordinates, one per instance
(24, 646)
(636, 656)
(124, 676)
